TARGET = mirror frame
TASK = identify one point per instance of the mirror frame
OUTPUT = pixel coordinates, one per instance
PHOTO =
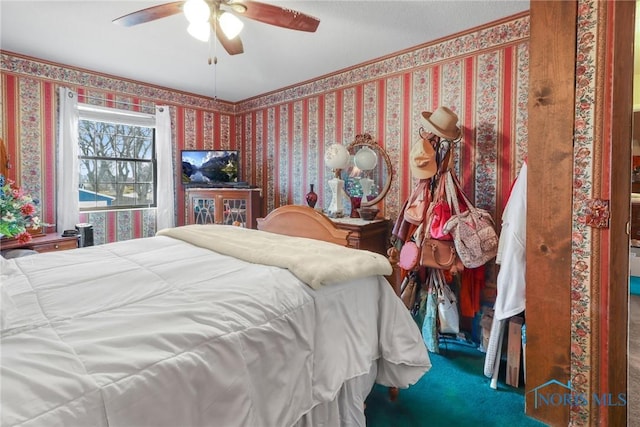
(365, 139)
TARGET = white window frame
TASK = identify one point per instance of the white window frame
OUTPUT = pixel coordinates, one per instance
(120, 117)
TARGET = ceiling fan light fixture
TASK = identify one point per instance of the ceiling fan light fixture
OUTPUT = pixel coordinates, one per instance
(200, 30)
(237, 7)
(230, 25)
(196, 11)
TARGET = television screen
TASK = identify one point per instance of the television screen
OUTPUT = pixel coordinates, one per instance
(209, 167)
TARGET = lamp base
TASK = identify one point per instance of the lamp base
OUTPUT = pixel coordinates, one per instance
(336, 207)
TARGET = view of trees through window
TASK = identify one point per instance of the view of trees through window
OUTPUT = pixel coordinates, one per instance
(117, 166)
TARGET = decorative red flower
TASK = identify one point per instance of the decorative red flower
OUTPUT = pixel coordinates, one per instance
(28, 209)
(24, 237)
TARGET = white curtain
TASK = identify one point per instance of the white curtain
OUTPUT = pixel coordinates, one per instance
(165, 215)
(67, 206)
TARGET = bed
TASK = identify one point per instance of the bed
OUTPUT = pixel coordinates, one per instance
(204, 325)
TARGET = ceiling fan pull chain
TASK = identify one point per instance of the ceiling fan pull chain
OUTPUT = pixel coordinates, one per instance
(215, 59)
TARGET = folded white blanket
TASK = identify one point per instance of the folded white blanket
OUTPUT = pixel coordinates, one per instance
(314, 262)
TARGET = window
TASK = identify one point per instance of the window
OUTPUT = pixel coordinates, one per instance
(117, 160)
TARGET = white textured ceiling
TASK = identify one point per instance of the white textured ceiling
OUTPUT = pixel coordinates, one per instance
(81, 34)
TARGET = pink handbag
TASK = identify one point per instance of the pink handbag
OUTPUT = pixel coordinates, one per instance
(440, 214)
(409, 255)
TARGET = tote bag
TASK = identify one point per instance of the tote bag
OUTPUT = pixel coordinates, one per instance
(473, 231)
(448, 316)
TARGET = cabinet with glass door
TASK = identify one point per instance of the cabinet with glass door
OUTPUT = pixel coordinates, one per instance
(226, 206)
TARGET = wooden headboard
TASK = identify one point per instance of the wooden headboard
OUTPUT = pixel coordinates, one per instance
(303, 221)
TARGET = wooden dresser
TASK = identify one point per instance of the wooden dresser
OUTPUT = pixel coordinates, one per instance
(47, 243)
(368, 235)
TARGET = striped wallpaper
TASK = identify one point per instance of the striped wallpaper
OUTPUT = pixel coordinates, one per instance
(285, 142)
(481, 74)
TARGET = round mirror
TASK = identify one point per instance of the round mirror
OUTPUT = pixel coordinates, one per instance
(367, 177)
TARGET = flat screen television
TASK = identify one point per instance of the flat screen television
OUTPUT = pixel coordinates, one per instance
(209, 167)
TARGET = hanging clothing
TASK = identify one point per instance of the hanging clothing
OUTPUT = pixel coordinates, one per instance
(472, 283)
(510, 298)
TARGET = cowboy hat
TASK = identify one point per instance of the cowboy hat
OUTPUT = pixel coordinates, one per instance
(422, 159)
(442, 122)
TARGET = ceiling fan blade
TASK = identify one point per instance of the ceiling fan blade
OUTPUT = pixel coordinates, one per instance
(233, 46)
(150, 14)
(279, 16)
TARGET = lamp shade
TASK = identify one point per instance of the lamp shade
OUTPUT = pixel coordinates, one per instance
(365, 159)
(196, 11)
(230, 24)
(199, 30)
(337, 156)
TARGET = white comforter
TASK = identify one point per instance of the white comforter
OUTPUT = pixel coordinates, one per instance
(158, 332)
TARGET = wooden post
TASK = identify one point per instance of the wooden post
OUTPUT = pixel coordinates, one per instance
(552, 104)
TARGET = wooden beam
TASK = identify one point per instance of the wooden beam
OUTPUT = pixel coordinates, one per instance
(616, 171)
(549, 201)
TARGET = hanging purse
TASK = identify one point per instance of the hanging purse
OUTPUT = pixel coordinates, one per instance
(473, 230)
(418, 203)
(439, 213)
(430, 322)
(435, 252)
(440, 254)
(409, 255)
(408, 291)
(448, 316)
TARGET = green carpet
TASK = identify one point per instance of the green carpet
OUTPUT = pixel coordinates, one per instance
(453, 393)
(634, 285)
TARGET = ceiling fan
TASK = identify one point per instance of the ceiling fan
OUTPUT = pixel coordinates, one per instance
(221, 17)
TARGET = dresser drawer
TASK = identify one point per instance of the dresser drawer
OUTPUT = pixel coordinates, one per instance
(55, 246)
(368, 235)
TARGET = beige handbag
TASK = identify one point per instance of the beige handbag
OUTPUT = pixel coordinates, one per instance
(473, 230)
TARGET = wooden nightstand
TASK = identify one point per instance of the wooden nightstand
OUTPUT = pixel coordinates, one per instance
(47, 243)
(369, 235)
